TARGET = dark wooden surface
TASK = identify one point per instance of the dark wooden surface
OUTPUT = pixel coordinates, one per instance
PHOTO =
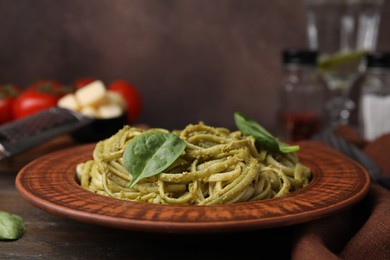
(53, 237)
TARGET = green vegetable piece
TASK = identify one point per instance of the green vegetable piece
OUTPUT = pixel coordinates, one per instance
(151, 153)
(11, 226)
(328, 62)
(263, 138)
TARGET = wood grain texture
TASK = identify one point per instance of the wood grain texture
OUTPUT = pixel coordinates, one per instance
(338, 183)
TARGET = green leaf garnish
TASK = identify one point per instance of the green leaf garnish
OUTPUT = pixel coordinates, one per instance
(327, 62)
(11, 226)
(263, 138)
(151, 153)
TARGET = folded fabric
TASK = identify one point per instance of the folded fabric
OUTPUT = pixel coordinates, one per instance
(362, 232)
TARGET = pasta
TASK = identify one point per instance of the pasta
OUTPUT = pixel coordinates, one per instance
(217, 167)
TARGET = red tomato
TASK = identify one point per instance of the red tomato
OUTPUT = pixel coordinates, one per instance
(82, 82)
(131, 95)
(38, 96)
(48, 86)
(8, 93)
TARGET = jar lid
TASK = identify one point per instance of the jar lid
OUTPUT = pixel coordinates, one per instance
(300, 56)
(378, 60)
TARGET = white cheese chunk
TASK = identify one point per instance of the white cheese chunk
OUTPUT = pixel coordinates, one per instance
(116, 98)
(92, 94)
(89, 111)
(109, 111)
(69, 101)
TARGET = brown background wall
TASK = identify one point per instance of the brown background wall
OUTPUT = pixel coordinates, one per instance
(191, 59)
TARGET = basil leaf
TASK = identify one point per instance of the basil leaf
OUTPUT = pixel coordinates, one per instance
(151, 153)
(11, 226)
(285, 148)
(263, 138)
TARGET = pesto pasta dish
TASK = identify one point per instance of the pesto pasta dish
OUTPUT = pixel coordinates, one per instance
(198, 165)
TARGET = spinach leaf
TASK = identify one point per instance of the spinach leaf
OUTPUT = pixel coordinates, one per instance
(11, 226)
(151, 153)
(263, 138)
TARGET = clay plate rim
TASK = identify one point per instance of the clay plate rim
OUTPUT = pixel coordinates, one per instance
(337, 183)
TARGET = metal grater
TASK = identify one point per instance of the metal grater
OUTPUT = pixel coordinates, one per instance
(20, 135)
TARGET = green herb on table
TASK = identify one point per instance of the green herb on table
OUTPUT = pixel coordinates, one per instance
(150, 154)
(11, 226)
(263, 138)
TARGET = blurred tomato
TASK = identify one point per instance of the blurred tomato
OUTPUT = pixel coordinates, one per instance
(40, 95)
(52, 87)
(8, 93)
(82, 82)
(131, 95)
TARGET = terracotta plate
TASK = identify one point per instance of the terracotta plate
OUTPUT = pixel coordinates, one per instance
(338, 183)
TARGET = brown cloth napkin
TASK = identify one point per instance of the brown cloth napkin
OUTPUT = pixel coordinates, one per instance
(362, 232)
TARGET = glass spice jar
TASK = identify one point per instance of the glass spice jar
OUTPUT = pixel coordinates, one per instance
(302, 95)
(374, 110)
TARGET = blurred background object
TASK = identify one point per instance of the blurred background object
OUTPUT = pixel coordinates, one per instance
(375, 97)
(303, 95)
(343, 31)
(191, 60)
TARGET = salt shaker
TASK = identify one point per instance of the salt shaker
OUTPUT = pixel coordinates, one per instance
(374, 111)
(302, 95)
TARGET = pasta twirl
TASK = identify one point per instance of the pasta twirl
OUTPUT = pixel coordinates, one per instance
(217, 167)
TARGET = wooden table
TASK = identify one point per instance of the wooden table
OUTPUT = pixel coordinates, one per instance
(53, 237)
